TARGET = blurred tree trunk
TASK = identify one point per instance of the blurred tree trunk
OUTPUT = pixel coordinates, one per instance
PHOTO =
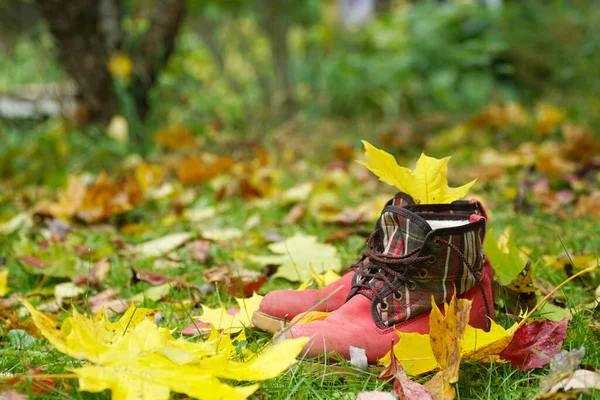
(87, 31)
(81, 52)
(276, 17)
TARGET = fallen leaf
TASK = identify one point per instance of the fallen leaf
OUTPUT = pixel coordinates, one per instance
(579, 262)
(404, 388)
(296, 214)
(157, 279)
(299, 256)
(446, 334)
(160, 246)
(588, 205)
(198, 170)
(297, 194)
(106, 300)
(506, 260)
(33, 261)
(108, 197)
(148, 176)
(427, 184)
(222, 235)
(175, 137)
(414, 352)
(581, 380)
(200, 214)
(4, 282)
(562, 366)
(580, 143)
(196, 328)
(134, 358)
(69, 200)
(534, 344)
(520, 294)
(66, 290)
(153, 293)
(97, 274)
(222, 319)
(236, 281)
(547, 117)
(15, 223)
(199, 250)
(118, 129)
(50, 257)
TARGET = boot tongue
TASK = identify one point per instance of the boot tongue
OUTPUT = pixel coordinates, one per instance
(403, 231)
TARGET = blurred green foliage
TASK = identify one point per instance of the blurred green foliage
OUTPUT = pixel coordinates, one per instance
(429, 57)
(230, 74)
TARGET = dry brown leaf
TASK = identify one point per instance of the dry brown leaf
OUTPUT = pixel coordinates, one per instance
(500, 117)
(296, 214)
(69, 200)
(580, 143)
(588, 205)
(109, 197)
(175, 138)
(236, 281)
(446, 333)
(198, 170)
(156, 279)
(199, 250)
(97, 275)
(550, 160)
(404, 388)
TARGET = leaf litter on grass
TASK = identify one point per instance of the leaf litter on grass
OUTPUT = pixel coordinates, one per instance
(135, 358)
(340, 196)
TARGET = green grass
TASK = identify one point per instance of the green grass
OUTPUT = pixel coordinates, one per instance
(36, 158)
(542, 234)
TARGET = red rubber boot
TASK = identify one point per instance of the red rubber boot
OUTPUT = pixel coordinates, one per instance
(411, 257)
(279, 307)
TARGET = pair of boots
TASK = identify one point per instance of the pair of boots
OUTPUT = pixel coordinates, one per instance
(416, 251)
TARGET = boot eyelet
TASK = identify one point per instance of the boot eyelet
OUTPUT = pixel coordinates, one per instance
(432, 259)
(411, 285)
(437, 243)
(397, 296)
(383, 306)
(423, 273)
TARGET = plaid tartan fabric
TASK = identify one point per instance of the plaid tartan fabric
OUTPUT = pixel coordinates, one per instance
(403, 232)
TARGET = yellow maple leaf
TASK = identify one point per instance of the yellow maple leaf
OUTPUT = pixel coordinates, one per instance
(427, 184)
(222, 319)
(416, 356)
(85, 338)
(322, 280)
(300, 256)
(4, 282)
(136, 359)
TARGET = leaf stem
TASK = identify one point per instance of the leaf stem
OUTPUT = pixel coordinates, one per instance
(545, 299)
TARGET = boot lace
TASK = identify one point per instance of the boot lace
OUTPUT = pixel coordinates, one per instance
(385, 268)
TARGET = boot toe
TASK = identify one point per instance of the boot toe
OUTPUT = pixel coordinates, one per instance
(284, 304)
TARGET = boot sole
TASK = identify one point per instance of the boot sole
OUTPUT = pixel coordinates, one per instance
(268, 323)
